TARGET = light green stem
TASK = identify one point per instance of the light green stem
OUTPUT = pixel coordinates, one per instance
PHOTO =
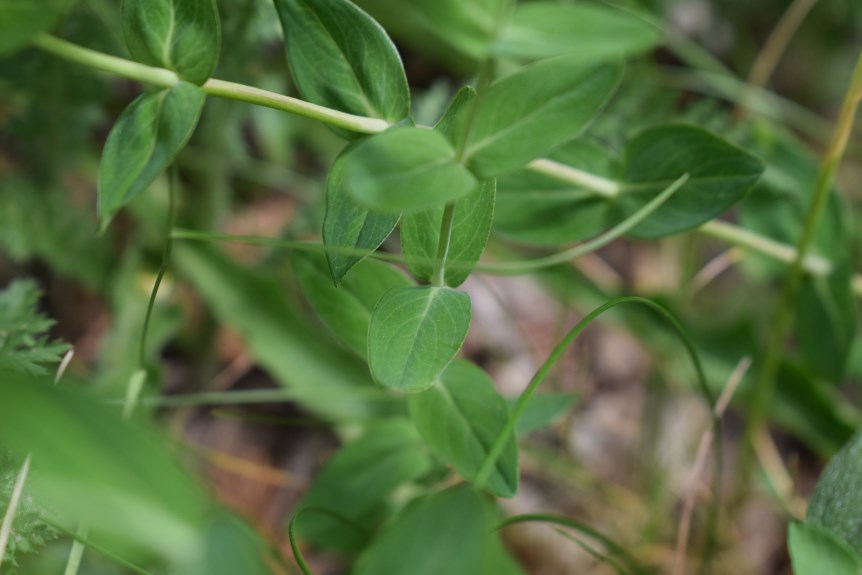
(12, 507)
(438, 278)
(601, 186)
(166, 78)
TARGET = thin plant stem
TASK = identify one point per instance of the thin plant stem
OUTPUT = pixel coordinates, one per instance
(782, 322)
(164, 78)
(12, 507)
(601, 186)
(772, 51)
(438, 277)
(76, 553)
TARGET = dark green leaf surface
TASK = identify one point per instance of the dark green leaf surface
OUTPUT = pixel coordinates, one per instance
(415, 333)
(815, 551)
(20, 20)
(441, 533)
(720, 174)
(836, 505)
(405, 169)
(93, 468)
(180, 35)
(593, 32)
(537, 209)
(328, 381)
(348, 225)
(341, 58)
(420, 236)
(358, 479)
(346, 310)
(542, 410)
(460, 418)
(532, 112)
(826, 323)
(144, 141)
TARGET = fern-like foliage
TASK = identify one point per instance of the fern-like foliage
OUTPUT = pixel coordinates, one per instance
(29, 532)
(24, 347)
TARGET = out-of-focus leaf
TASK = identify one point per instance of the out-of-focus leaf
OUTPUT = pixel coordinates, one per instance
(453, 520)
(91, 467)
(180, 35)
(454, 120)
(24, 346)
(341, 58)
(814, 551)
(542, 210)
(415, 333)
(460, 418)
(405, 169)
(534, 111)
(348, 225)
(228, 547)
(826, 323)
(145, 140)
(325, 380)
(20, 20)
(420, 235)
(357, 480)
(720, 174)
(346, 309)
(836, 505)
(594, 32)
(542, 410)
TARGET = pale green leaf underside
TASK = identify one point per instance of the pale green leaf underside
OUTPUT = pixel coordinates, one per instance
(180, 35)
(405, 169)
(146, 138)
(350, 226)
(342, 58)
(815, 551)
(460, 418)
(415, 333)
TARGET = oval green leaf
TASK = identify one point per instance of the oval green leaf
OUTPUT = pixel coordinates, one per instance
(415, 333)
(836, 505)
(405, 169)
(180, 35)
(815, 551)
(539, 209)
(356, 481)
(454, 121)
(420, 236)
(534, 111)
(720, 174)
(460, 418)
(20, 20)
(346, 310)
(342, 58)
(147, 137)
(593, 32)
(349, 226)
(445, 532)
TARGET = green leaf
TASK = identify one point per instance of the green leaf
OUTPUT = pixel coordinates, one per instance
(21, 20)
(328, 381)
(593, 32)
(341, 58)
(24, 346)
(538, 209)
(180, 35)
(405, 169)
(460, 418)
(358, 479)
(346, 310)
(415, 333)
(826, 322)
(84, 453)
(542, 410)
(145, 140)
(836, 505)
(420, 235)
(532, 112)
(815, 551)
(454, 120)
(441, 533)
(348, 225)
(228, 547)
(720, 174)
